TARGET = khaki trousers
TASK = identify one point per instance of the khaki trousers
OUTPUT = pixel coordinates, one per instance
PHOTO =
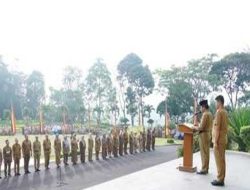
(204, 142)
(219, 154)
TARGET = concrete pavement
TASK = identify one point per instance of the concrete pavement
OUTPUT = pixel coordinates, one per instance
(166, 176)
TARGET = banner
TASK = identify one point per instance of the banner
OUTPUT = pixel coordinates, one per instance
(13, 120)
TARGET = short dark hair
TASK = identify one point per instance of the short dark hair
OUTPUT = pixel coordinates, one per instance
(220, 98)
(206, 106)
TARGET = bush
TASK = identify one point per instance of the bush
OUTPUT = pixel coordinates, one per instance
(170, 141)
(237, 119)
(245, 136)
(180, 152)
(196, 146)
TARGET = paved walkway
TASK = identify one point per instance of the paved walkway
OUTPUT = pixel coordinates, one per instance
(166, 176)
(88, 174)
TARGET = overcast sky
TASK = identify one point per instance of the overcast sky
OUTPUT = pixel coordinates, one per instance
(48, 35)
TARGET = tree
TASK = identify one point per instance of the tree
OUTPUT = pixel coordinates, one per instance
(139, 77)
(6, 116)
(98, 86)
(26, 113)
(113, 105)
(233, 75)
(11, 89)
(161, 108)
(131, 104)
(150, 122)
(148, 110)
(196, 73)
(35, 92)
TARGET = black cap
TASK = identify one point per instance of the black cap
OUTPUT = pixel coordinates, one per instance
(203, 103)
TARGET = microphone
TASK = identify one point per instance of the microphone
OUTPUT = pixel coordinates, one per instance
(197, 113)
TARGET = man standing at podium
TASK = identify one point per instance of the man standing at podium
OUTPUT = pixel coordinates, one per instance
(204, 136)
(219, 134)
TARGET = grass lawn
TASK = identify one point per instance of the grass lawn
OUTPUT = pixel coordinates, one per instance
(163, 141)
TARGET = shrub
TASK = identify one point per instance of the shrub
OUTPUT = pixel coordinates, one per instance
(196, 146)
(237, 119)
(180, 152)
(170, 141)
(245, 136)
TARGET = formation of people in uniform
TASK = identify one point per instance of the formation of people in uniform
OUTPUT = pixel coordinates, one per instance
(219, 129)
(115, 144)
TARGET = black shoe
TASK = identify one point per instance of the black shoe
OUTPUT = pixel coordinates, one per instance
(217, 183)
(18, 174)
(0, 177)
(28, 172)
(202, 173)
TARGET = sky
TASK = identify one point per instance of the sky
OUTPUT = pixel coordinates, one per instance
(48, 35)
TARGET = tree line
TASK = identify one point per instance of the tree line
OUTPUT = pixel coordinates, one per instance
(96, 98)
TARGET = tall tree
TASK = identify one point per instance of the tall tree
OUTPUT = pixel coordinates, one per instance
(35, 92)
(131, 104)
(138, 76)
(233, 75)
(98, 85)
(11, 89)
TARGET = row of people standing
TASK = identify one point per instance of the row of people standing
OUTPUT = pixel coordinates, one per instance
(113, 144)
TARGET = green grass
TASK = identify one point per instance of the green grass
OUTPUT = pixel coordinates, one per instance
(164, 141)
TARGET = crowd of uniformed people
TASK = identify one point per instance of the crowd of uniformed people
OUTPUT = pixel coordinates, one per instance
(118, 142)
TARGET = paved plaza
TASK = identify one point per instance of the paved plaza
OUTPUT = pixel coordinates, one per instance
(166, 176)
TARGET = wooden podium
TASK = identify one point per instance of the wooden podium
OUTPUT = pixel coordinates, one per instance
(187, 148)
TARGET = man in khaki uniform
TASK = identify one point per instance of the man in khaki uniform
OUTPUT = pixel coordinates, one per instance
(16, 151)
(149, 139)
(82, 149)
(27, 153)
(1, 160)
(125, 138)
(74, 148)
(66, 150)
(144, 140)
(90, 148)
(115, 145)
(140, 141)
(37, 154)
(131, 143)
(135, 143)
(7, 157)
(109, 142)
(219, 135)
(97, 146)
(104, 147)
(121, 142)
(153, 139)
(47, 151)
(58, 148)
(204, 130)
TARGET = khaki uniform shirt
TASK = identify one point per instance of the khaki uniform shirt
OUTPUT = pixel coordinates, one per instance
(7, 153)
(37, 148)
(16, 150)
(1, 156)
(26, 146)
(90, 143)
(220, 126)
(57, 146)
(47, 146)
(206, 122)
